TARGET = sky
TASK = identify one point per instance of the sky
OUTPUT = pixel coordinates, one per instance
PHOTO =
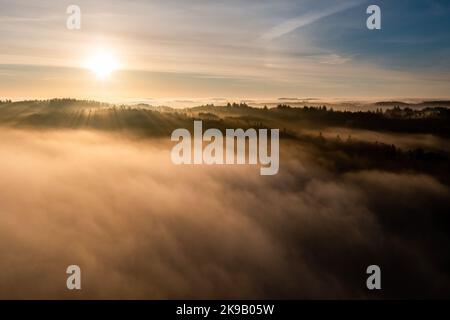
(234, 49)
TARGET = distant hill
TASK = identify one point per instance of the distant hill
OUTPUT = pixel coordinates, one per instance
(391, 103)
(437, 103)
(149, 120)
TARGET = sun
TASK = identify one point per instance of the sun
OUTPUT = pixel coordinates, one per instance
(102, 64)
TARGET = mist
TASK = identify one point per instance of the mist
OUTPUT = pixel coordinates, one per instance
(141, 227)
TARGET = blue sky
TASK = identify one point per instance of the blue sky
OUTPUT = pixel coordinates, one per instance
(415, 34)
(235, 49)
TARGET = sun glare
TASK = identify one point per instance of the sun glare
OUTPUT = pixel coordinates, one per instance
(102, 64)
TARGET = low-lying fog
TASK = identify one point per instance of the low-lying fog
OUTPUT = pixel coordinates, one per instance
(140, 227)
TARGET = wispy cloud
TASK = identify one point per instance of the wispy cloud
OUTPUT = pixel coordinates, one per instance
(171, 49)
(305, 19)
(334, 58)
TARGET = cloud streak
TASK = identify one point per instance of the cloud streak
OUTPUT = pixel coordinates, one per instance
(305, 20)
